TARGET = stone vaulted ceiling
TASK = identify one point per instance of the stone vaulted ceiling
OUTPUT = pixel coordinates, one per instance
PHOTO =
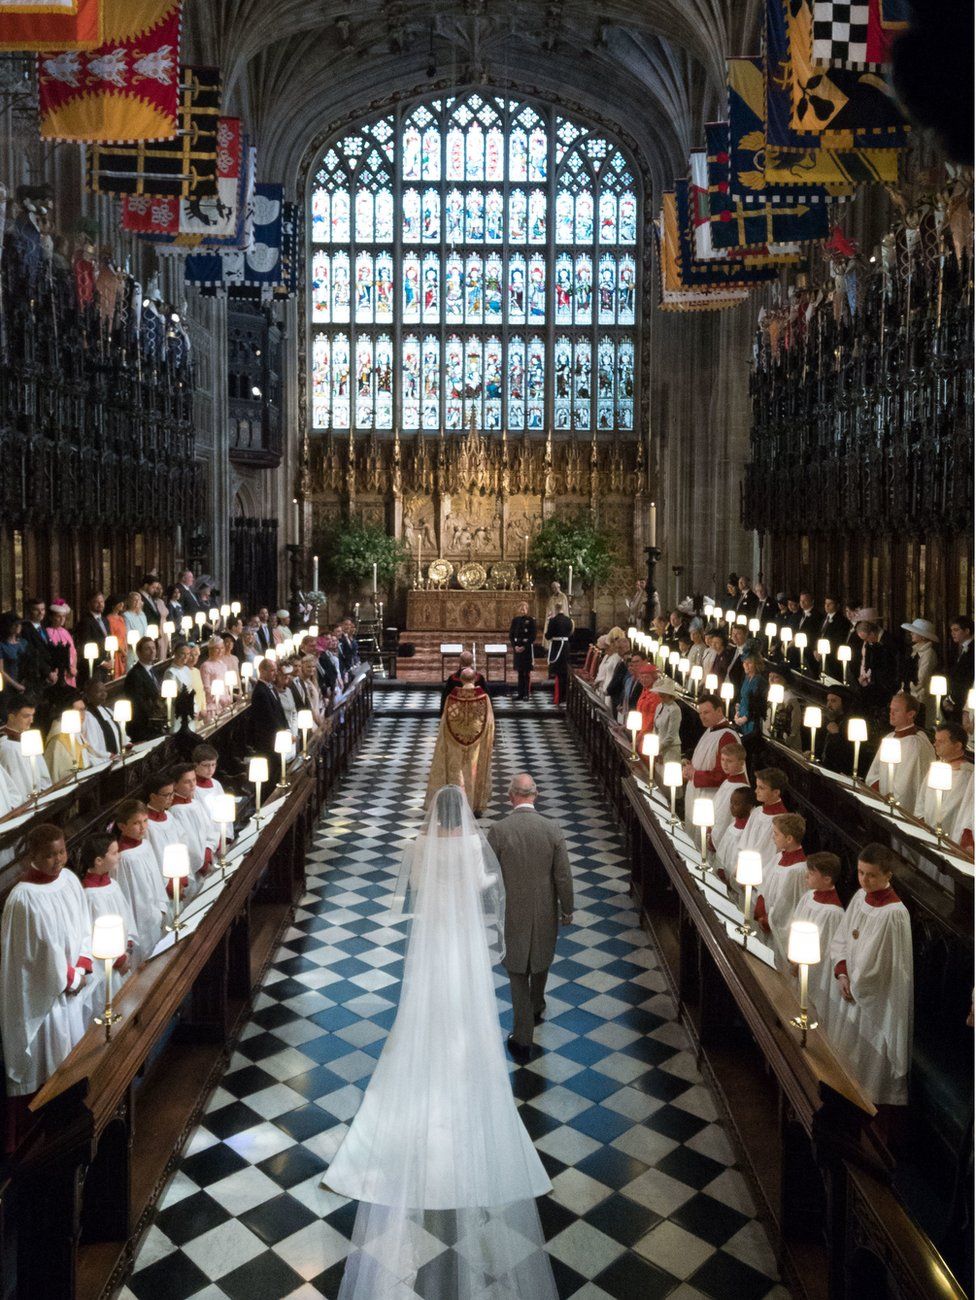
(294, 67)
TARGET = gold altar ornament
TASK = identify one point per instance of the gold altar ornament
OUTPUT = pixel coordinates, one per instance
(472, 576)
(503, 575)
(439, 571)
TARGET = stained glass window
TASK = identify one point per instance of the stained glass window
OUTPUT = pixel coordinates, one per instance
(473, 258)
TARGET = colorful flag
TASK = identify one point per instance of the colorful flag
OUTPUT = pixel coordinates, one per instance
(185, 166)
(703, 214)
(766, 227)
(290, 250)
(808, 107)
(252, 272)
(219, 222)
(840, 32)
(715, 273)
(125, 89)
(675, 296)
(41, 25)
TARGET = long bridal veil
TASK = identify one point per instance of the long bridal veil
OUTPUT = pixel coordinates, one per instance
(437, 1155)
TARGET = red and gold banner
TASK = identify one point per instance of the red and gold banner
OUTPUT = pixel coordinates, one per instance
(125, 89)
(50, 25)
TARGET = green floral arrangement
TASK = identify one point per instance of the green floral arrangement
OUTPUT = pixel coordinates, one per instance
(560, 543)
(351, 550)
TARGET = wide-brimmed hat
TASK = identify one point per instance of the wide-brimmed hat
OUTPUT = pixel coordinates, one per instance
(922, 627)
(665, 686)
(867, 615)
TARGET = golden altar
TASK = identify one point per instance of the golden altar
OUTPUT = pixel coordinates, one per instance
(450, 610)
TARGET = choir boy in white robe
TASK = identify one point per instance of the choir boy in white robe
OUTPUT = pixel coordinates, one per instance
(758, 835)
(140, 877)
(783, 884)
(950, 747)
(703, 772)
(205, 765)
(733, 761)
(741, 803)
(199, 831)
(21, 779)
(916, 754)
(104, 896)
(872, 964)
(162, 829)
(821, 904)
(45, 964)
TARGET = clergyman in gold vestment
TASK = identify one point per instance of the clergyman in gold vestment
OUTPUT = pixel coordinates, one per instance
(465, 740)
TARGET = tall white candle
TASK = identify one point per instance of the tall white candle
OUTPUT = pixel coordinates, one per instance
(653, 523)
(569, 590)
(374, 581)
(315, 573)
(298, 530)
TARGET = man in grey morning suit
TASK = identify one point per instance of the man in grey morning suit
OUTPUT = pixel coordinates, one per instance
(538, 889)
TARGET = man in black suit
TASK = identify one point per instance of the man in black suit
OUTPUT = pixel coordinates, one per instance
(961, 672)
(266, 717)
(265, 639)
(39, 667)
(879, 676)
(350, 642)
(747, 600)
(142, 691)
(92, 627)
(835, 628)
(735, 673)
(521, 637)
(764, 608)
(188, 598)
(559, 629)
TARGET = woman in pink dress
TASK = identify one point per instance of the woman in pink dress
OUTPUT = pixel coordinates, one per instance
(63, 647)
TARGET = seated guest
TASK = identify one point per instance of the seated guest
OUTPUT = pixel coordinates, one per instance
(727, 844)
(140, 877)
(142, 692)
(950, 747)
(38, 668)
(820, 903)
(114, 617)
(45, 962)
(24, 775)
(266, 715)
(758, 835)
(62, 651)
(205, 759)
(835, 751)
(783, 883)
(732, 759)
(961, 668)
(922, 661)
(916, 754)
(615, 685)
(13, 647)
(667, 720)
(465, 660)
(879, 674)
(92, 628)
(67, 754)
(100, 730)
(104, 896)
(703, 772)
(648, 700)
(617, 647)
(632, 685)
(135, 620)
(788, 715)
(871, 1017)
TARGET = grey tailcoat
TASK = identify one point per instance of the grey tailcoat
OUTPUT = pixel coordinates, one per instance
(538, 886)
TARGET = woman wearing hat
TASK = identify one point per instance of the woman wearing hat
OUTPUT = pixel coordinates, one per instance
(923, 660)
(64, 657)
(667, 720)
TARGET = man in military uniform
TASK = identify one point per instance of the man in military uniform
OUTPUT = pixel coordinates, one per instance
(521, 637)
(559, 628)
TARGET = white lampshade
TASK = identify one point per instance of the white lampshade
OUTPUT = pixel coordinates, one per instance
(108, 937)
(786, 635)
(247, 672)
(754, 625)
(217, 688)
(844, 654)
(305, 721)
(708, 609)
(186, 622)
(857, 729)
(176, 861)
(730, 616)
(169, 627)
(812, 717)
(132, 637)
(800, 640)
(749, 867)
(31, 744)
(313, 630)
(651, 745)
(283, 742)
(823, 646)
(697, 672)
(153, 631)
(199, 618)
(271, 653)
(971, 699)
(230, 680)
(674, 658)
(939, 776)
(111, 644)
(711, 683)
(777, 693)
(632, 632)
(726, 691)
(122, 711)
(635, 720)
(169, 689)
(703, 812)
(890, 751)
(257, 770)
(223, 809)
(803, 948)
(683, 665)
(91, 650)
(938, 686)
(771, 629)
(654, 646)
(71, 722)
(235, 606)
(256, 663)
(224, 611)
(741, 620)
(672, 775)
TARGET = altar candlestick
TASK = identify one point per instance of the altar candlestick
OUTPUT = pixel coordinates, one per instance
(315, 573)
(653, 539)
(569, 591)
(374, 582)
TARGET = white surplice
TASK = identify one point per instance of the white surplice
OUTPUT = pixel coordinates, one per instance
(826, 912)
(782, 888)
(916, 756)
(141, 881)
(758, 834)
(18, 770)
(955, 801)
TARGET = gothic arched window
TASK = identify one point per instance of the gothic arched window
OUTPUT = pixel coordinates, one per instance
(473, 257)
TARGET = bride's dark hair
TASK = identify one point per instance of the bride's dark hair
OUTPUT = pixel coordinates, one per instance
(450, 807)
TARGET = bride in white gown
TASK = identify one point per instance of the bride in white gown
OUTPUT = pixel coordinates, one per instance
(438, 1129)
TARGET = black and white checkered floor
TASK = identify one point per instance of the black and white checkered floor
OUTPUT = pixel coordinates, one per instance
(395, 700)
(646, 1198)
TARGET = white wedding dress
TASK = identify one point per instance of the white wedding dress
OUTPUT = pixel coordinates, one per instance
(438, 1129)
